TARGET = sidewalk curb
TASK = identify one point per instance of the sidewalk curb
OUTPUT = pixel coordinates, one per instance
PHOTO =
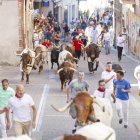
(128, 56)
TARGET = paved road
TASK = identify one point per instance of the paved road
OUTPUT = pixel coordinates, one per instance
(56, 124)
(45, 90)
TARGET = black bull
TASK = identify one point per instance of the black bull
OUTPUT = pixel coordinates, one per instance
(54, 57)
(93, 52)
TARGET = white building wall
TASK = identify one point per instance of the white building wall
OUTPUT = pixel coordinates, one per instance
(69, 3)
(138, 7)
(46, 9)
(9, 32)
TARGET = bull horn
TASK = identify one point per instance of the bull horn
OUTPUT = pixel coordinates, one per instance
(73, 69)
(59, 70)
(59, 138)
(123, 71)
(107, 138)
(37, 56)
(93, 119)
(63, 108)
(75, 58)
(17, 54)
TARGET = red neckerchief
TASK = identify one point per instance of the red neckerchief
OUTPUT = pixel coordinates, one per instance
(108, 70)
(101, 90)
(18, 96)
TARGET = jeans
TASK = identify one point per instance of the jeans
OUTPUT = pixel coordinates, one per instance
(107, 47)
(122, 107)
(120, 49)
(72, 111)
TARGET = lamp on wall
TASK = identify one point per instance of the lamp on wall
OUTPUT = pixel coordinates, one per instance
(0, 2)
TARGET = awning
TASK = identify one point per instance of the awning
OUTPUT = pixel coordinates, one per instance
(128, 1)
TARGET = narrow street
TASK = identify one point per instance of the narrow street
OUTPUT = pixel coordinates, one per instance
(32, 36)
(51, 124)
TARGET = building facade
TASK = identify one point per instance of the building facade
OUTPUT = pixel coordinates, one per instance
(9, 31)
(68, 11)
(16, 32)
(131, 17)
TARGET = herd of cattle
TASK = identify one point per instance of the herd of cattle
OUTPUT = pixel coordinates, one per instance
(33, 59)
(85, 105)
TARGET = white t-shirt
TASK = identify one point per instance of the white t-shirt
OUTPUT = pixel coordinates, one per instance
(89, 31)
(100, 94)
(21, 108)
(125, 34)
(107, 36)
(107, 75)
(120, 41)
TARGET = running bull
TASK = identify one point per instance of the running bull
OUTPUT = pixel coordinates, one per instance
(66, 72)
(85, 109)
(27, 62)
(93, 52)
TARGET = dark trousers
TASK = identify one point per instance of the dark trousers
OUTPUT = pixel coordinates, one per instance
(120, 49)
(77, 55)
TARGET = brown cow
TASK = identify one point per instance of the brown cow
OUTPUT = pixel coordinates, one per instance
(74, 137)
(66, 71)
(85, 111)
(93, 52)
(27, 62)
(81, 109)
(26, 65)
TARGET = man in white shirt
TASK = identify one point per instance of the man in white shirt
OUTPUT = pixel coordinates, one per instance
(107, 42)
(111, 31)
(101, 91)
(108, 75)
(120, 45)
(89, 33)
(125, 35)
(21, 105)
(63, 55)
(95, 33)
